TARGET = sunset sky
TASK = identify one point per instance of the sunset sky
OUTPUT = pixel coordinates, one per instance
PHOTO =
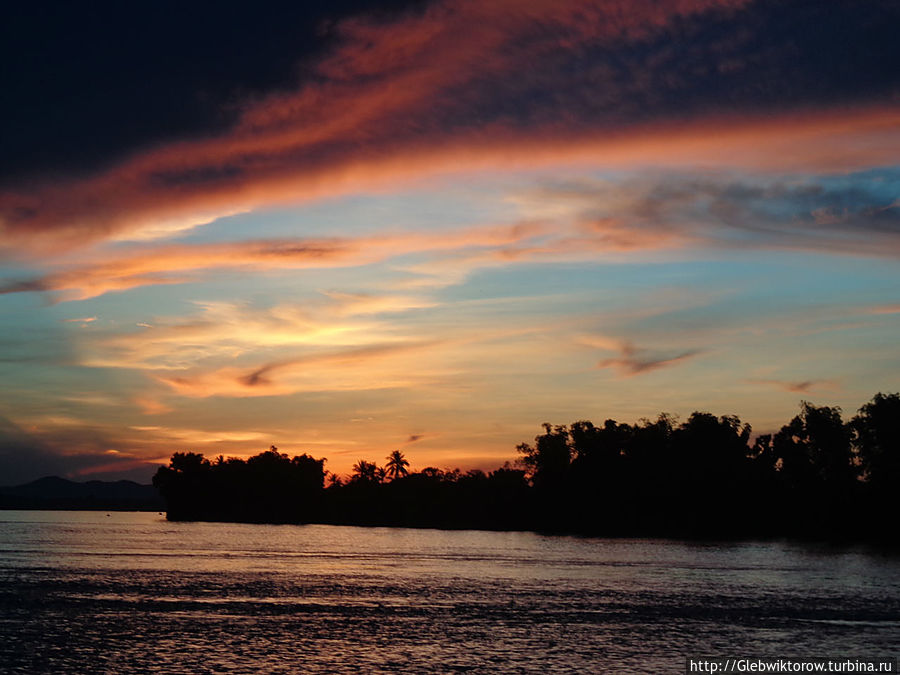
(347, 228)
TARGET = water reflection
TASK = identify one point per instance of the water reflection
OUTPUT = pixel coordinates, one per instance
(83, 591)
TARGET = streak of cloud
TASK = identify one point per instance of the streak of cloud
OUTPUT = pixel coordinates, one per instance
(883, 310)
(469, 85)
(799, 387)
(365, 368)
(848, 215)
(181, 264)
(633, 360)
(560, 223)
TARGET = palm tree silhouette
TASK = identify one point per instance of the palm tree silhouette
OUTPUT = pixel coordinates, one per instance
(396, 465)
(365, 471)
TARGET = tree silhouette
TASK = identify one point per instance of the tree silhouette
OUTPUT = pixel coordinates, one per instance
(548, 461)
(816, 471)
(876, 436)
(816, 477)
(396, 466)
(814, 449)
(269, 487)
(365, 472)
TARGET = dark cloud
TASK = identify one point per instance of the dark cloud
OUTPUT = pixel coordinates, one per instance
(90, 85)
(223, 115)
(798, 387)
(637, 361)
(856, 214)
(87, 85)
(258, 377)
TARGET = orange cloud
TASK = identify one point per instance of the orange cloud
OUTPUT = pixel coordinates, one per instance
(570, 240)
(179, 264)
(151, 406)
(226, 333)
(462, 86)
(370, 367)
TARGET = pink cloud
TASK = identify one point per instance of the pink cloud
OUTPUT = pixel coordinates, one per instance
(180, 264)
(883, 309)
(400, 100)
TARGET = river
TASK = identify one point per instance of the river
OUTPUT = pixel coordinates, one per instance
(131, 592)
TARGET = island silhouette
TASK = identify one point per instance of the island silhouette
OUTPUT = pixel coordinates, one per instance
(817, 477)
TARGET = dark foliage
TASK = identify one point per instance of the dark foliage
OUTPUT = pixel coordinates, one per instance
(269, 487)
(817, 477)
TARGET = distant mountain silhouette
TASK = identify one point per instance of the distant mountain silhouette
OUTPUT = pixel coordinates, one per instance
(53, 492)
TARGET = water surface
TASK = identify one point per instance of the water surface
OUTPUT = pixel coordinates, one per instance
(125, 592)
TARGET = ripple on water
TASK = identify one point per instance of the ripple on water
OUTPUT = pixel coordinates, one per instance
(135, 593)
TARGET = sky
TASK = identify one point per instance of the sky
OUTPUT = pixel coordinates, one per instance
(348, 228)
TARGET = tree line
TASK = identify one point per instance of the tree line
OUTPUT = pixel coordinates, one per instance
(818, 476)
